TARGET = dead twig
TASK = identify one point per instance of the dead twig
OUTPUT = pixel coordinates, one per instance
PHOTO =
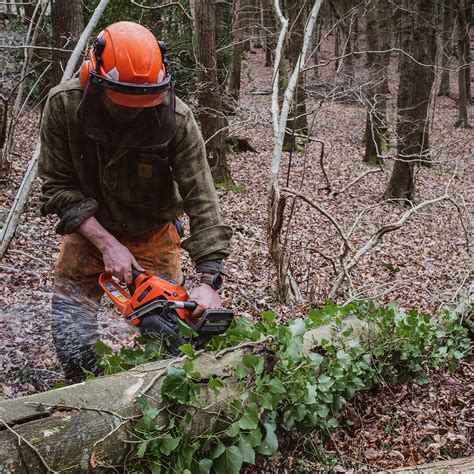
(164, 5)
(356, 180)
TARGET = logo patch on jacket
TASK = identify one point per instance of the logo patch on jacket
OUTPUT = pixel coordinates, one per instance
(144, 170)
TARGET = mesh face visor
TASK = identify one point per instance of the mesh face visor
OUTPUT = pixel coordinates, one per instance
(148, 124)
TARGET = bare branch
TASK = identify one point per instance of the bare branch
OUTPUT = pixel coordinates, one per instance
(377, 236)
(356, 180)
(323, 211)
(157, 7)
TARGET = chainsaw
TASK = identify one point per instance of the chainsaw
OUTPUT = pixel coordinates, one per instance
(159, 307)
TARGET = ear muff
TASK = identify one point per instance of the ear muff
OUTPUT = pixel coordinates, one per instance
(162, 46)
(92, 62)
(98, 48)
(86, 68)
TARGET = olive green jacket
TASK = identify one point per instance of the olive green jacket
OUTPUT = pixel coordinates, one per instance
(136, 191)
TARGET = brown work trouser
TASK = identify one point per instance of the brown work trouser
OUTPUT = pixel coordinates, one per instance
(77, 292)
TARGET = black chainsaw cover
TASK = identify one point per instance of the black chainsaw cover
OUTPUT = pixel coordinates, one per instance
(164, 326)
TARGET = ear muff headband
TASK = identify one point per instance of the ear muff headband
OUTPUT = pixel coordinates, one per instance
(98, 48)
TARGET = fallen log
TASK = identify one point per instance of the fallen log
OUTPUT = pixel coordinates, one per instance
(84, 426)
(451, 466)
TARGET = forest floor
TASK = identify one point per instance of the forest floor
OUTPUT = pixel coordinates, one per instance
(424, 265)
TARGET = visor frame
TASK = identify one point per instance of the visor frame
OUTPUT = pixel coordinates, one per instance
(130, 88)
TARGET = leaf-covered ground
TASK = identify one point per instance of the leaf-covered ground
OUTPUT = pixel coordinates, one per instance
(423, 265)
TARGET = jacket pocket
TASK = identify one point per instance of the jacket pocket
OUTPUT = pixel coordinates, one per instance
(153, 172)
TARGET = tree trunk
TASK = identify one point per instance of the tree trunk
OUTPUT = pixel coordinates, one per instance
(67, 23)
(298, 122)
(213, 121)
(269, 27)
(237, 49)
(446, 48)
(223, 12)
(4, 163)
(346, 28)
(85, 427)
(378, 39)
(464, 75)
(377, 65)
(413, 101)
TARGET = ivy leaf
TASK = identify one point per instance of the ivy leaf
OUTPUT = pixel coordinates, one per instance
(218, 450)
(268, 316)
(188, 350)
(333, 423)
(310, 394)
(147, 410)
(297, 328)
(215, 384)
(269, 445)
(323, 411)
(267, 401)
(343, 357)
(246, 449)
(169, 444)
(185, 330)
(254, 362)
(249, 419)
(316, 359)
(293, 350)
(155, 468)
(240, 372)
(325, 382)
(230, 461)
(204, 466)
(233, 430)
(319, 316)
(255, 437)
(176, 385)
(102, 348)
(276, 386)
(142, 449)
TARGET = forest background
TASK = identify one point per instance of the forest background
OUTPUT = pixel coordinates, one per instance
(363, 192)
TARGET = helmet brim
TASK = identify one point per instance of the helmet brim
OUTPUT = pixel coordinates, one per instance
(135, 101)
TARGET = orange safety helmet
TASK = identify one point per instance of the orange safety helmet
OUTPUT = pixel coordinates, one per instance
(128, 62)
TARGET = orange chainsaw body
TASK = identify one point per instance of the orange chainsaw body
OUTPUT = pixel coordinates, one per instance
(147, 288)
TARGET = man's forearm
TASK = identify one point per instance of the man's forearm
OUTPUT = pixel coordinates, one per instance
(92, 230)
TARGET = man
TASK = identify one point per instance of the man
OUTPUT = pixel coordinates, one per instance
(121, 159)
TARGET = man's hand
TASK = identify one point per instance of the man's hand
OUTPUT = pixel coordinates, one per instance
(118, 261)
(206, 298)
